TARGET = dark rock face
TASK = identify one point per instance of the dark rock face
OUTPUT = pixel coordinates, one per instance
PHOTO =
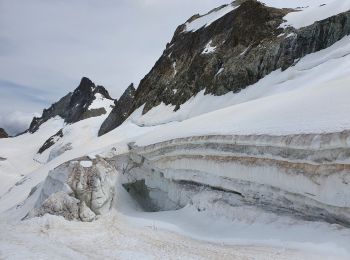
(3, 133)
(120, 112)
(74, 106)
(51, 141)
(249, 45)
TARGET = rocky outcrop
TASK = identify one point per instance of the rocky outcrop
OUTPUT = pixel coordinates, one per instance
(232, 53)
(74, 106)
(120, 112)
(77, 190)
(51, 141)
(3, 133)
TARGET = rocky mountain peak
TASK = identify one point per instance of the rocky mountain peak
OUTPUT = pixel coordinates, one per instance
(120, 111)
(230, 48)
(74, 106)
(3, 133)
(86, 85)
(226, 50)
(128, 93)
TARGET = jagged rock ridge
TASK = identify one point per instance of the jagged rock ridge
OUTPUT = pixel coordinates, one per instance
(82, 98)
(51, 141)
(74, 106)
(120, 112)
(232, 53)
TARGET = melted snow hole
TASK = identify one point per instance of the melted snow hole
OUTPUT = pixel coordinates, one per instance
(86, 164)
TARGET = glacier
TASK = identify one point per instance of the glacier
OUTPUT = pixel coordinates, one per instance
(263, 173)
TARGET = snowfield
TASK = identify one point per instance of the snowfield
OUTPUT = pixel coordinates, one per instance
(116, 236)
(311, 97)
(209, 18)
(307, 12)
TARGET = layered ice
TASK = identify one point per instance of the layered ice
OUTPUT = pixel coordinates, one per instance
(306, 175)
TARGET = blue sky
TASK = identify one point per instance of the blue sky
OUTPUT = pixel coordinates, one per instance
(47, 46)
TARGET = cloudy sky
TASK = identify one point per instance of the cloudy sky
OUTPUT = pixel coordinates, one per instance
(46, 46)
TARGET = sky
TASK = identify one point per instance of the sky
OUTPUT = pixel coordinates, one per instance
(46, 46)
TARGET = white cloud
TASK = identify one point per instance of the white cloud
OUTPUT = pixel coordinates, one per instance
(16, 122)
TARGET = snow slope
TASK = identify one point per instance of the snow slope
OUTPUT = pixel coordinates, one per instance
(209, 18)
(19, 153)
(289, 102)
(101, 102)
(118, 236)
(306, 12)
(309, 11)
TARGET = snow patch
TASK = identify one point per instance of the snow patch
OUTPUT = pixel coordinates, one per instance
(208, 19)
(86, 164)
(245, 50)
(291, 35)
(219, 71)
(314, 10)
(174, 68)
(208, 48)
(101, 102)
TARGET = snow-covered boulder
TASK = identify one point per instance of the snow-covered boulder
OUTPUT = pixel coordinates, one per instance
(77, 190)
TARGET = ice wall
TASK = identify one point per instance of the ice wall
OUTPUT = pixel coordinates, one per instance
(304, 175)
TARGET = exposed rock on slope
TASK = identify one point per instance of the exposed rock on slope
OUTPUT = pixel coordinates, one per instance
(120, 112)
(3, 133)
(74, 106)
(51, 141)
(232, 53)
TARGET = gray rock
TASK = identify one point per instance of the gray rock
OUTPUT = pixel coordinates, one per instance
(120, 112)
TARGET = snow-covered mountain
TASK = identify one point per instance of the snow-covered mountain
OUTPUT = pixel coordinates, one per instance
(239, 138)
(234, 46)
(86, 101)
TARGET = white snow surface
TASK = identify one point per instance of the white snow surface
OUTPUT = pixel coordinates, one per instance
(19, 153)
(208, 19)
(309, 11)
(126, 233)
(209, 48)
(101, 102)
(86, 164)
